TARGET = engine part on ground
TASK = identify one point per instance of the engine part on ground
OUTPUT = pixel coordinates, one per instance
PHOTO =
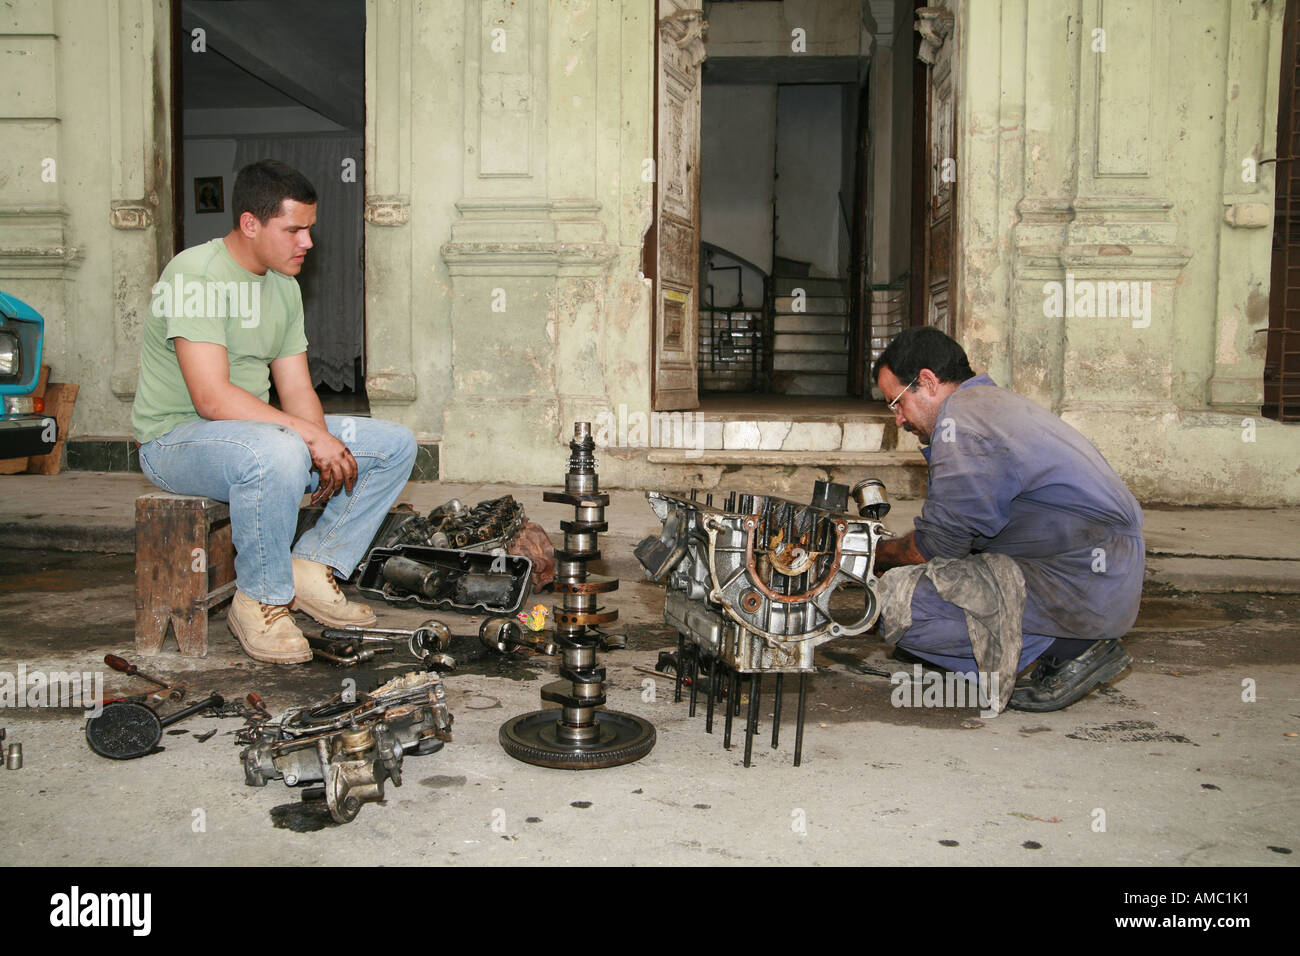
(506, 636)
(442, 663)
(352, 747)
(250, 709)
(667, 666)
(124, 729)
(749, 586)
(14, 757)
(471, 582)
(579, 736)
(483, 527)
(425, 642)
(533, 543)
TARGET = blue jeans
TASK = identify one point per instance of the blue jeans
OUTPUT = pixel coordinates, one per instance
(263, 470)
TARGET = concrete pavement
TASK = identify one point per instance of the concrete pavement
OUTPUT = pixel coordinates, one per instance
(1188, 759)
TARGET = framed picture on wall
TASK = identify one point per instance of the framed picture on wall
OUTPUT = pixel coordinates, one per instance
(208, 195)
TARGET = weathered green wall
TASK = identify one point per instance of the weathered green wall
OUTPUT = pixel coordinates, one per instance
(83, 100)
(510, 178)
(506, 209)
(1117, 156)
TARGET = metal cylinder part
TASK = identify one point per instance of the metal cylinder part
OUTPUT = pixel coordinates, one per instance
(580, 543)
(869, 495)
(14, 757)
(357, 741)
(579, 602)
(580, 657)
(412, 576)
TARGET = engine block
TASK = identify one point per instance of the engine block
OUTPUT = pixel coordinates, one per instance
(750, 583)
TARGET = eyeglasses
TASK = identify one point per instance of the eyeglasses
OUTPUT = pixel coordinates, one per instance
(899, 397)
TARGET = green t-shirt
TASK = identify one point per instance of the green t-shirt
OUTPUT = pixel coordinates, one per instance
(205, 296)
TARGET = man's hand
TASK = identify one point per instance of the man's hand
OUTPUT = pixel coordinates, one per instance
(896, 552)
(207, 375)
(332, 459)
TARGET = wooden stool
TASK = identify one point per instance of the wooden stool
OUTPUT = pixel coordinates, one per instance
(184, 566)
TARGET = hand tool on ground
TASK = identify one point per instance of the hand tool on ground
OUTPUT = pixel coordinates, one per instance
(432, 635)
(126, 729)
(120, 664)
(347, 655)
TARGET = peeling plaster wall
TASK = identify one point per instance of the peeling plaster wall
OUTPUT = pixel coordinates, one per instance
(1084, 167)
(830, 27)
(83, 89)
(527, 211)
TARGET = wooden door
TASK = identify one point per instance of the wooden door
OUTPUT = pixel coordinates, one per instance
(937, 51)
(1282, 360)
(676, 234)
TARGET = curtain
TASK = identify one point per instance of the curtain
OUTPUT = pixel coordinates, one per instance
(331, 278)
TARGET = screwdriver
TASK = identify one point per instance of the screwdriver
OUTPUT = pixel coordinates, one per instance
(121, 665)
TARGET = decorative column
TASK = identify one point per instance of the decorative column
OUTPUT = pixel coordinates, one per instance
(139, 56)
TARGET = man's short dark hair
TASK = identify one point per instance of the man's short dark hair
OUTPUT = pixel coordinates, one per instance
(262, 187)
(924, 347)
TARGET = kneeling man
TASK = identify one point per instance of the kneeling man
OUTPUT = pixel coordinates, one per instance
(1029, 545)
(226, 321)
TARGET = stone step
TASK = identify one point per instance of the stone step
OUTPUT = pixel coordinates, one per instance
(812, 305)
(791, 474)
(807, 361)
(796, 322)
(862, 412)
(785, 285)
(859, 429)
(664, 456)
(788, 342)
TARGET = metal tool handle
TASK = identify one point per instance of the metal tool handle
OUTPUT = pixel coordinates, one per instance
(212, 700)
(124, 666)
(339, 634)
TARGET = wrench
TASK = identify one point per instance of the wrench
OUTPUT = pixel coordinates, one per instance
(431, 636)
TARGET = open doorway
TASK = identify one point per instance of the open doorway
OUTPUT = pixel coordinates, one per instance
(285, 80)
(778, 196)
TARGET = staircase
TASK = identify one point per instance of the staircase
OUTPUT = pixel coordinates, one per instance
(810, 341)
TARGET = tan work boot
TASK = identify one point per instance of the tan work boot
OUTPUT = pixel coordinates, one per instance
(266, 632)
(317, 593)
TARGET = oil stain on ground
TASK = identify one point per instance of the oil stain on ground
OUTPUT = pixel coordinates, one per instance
(1129, 732)
(443, 781)
(302, 817)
